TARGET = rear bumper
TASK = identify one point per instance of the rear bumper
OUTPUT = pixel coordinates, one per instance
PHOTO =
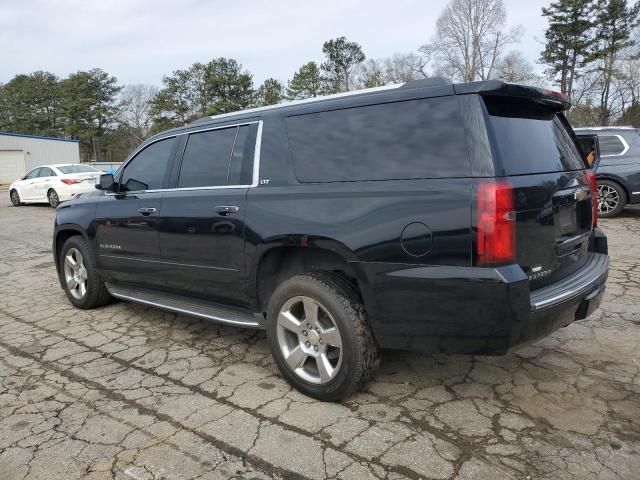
(476, 310)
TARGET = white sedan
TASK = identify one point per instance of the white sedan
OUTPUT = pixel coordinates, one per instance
(53, 184)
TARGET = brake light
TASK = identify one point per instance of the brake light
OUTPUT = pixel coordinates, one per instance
(554, 93)
(496, 240)
(70, 181)
(591, 176)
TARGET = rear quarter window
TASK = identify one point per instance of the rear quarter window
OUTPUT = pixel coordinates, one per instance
(611, 145)
(394, 141)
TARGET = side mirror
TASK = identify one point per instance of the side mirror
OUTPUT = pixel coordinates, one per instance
(106, 182)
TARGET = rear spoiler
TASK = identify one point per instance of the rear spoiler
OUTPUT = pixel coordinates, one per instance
(542, 96)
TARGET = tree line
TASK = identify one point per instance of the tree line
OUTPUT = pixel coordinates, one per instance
(590, 52)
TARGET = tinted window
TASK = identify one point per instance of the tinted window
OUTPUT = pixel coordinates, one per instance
(46, 172)
(206, 158)
(77, 169)
(610, 145)
(147, 169)
(403, 140)
(528, 139)
(241, 166)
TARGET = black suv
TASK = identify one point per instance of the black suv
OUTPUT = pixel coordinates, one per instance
(429, 216)
(618, 166)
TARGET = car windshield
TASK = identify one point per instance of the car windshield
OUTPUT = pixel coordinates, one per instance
(77, 169)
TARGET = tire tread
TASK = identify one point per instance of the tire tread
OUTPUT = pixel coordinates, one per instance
(367, 353)
(98, 295)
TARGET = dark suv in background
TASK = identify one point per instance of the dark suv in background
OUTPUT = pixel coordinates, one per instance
(428, 216)
(618, 168)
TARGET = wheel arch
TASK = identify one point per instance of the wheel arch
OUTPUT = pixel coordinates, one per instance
(61, 235)
(280, 262)
(619, 180)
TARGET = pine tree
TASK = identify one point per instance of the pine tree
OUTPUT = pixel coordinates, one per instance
(342, 57)
(89, 108)
(219, 86)
(615, 20)
(31, 104)
(569, 39)
(306, 82)
(270, 92)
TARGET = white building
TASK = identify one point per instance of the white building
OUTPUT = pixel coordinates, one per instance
(20, 153)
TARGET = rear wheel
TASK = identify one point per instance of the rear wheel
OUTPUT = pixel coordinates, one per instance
(15, 198)
(78, 276)
(54, 200)
(611, 199)
(319, 336)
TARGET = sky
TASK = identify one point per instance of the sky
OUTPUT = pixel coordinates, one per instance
(139, 41)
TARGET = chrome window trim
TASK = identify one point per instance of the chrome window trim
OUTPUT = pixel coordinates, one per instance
(624, 144)
(256, 160)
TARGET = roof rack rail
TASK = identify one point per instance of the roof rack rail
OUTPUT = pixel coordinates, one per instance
(350, 93)
(427, 82)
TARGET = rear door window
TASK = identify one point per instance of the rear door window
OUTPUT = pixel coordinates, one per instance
(394, 141)
(219, 157)
(46, 172)
(241, 164)
(611, 145)
(528, 139)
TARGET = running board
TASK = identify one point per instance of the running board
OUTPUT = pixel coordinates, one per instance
(187, 306)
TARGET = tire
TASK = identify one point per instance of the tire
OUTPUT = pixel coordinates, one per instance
(612, 198)
(95, 293)
(15, 198)
(53, 198)
(347, 368)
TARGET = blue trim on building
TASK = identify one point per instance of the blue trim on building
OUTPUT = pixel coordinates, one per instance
(39, 137)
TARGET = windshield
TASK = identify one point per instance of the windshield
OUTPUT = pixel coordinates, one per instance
(77, 169)
(530, 139)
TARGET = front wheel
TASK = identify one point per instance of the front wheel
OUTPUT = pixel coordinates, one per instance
(78, 276)
(611, 199)
(54, 200)
(15, 198)
(320, 337)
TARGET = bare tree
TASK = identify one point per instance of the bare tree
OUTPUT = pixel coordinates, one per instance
(515, 68)
(404, 67)
(628, 79)
(399, 68)
(470, 38)
(135, 110)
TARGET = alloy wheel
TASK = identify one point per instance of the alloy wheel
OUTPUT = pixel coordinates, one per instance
(309, 340)
(75, 273)
(53, 198)
(608, 199)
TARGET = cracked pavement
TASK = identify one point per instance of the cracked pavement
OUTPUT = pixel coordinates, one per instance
(130, 392)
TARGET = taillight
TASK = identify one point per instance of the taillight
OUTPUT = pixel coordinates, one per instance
(70, 181)
(594, 196)
(496, 241)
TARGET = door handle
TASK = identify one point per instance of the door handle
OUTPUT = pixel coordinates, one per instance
(147, 210)
(227, 209)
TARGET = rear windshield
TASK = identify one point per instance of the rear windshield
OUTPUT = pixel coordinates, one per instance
(531, 140)
(77, 169)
